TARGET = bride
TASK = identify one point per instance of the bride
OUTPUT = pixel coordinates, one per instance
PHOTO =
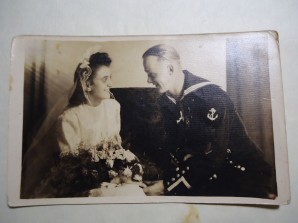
(91, 115)
(89, 140)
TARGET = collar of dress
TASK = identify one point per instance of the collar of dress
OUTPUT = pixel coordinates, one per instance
(191, 84)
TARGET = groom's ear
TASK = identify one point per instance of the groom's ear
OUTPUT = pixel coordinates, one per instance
(170, 69)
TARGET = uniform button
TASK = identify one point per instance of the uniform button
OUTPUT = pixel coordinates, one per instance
(168, 183)
(177, 169)
(243, 168)
(187, 167)
(210, 178)
(178, 175)
(173, 179)
(183, 171)
(238, 166)
(214, 176)
(231, 162)
(228, 151)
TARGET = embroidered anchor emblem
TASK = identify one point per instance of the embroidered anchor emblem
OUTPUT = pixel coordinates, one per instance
(212, 116)
(181, 118)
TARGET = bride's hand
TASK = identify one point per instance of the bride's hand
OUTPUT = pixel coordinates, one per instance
(155, 188)
(140, 184)
(95, 192)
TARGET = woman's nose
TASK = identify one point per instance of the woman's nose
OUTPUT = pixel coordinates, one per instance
(149, 80)
(109, 82)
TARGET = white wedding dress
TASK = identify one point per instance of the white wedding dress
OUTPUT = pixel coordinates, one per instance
(85, 127)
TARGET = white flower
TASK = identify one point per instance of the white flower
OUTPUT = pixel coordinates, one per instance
(105, 145)
(127, 172)
(114, 141)
(119, 154)
(91, 51)
(95, 158)
(88, 53)
(84, 64)
(111, 154)
(101, 155)
(112, 173)
(140, 168)
(137, 177)
(129, 156)
(110, 163)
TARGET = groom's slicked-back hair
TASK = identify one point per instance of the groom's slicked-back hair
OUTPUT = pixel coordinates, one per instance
(163, 52)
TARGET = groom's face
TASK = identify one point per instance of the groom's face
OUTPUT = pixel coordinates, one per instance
(158, 73)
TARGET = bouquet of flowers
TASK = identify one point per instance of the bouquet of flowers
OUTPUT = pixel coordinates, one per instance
(122, 165)
(75, 174)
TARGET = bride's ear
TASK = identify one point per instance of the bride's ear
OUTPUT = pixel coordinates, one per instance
(88, 85)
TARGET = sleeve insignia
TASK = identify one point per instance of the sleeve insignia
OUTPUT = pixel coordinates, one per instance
(212, 115)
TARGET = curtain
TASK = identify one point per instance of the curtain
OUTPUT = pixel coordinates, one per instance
(248, 85)
(34, 91)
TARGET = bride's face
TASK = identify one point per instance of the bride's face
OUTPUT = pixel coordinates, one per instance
(100, 87)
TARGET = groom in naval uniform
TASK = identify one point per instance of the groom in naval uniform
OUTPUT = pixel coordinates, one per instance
(207, 149)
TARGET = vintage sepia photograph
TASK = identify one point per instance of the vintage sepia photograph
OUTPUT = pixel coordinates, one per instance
(138, 119)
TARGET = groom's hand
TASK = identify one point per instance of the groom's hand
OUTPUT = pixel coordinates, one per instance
(154, 188)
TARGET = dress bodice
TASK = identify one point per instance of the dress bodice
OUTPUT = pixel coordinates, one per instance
(86, 126)
(90, 128)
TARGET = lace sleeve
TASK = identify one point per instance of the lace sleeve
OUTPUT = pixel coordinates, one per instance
(68, 133)
(117, 122)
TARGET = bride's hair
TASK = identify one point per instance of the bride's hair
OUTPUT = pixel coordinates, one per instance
(87, 67)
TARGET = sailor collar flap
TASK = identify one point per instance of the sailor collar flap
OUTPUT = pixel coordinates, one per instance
(191, 83)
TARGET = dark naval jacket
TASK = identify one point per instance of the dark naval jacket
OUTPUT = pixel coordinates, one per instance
(209, 152)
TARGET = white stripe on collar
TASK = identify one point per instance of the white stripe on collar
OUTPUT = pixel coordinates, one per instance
(195, 87)
(172, 99)
(189, 90)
